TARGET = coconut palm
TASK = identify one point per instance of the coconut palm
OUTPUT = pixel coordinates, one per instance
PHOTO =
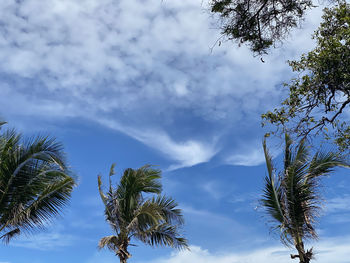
(154, 220)
(35, 183)
(292, 198)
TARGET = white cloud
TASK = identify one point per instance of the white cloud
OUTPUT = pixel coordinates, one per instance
(252, 158)
(213, 189)
(198, 254)
(229, 192)
(103, 257)
(251, 153)
(334, 250)
(106, 59)
(45, 241)
(185, 153)
(338, 204)
(204, 219)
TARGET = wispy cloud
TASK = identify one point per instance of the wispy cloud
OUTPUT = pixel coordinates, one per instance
(103, 257)
(337, 209)
(45, 241)
(252, 158)
(326, 251)
(206, 218)
(213, 189)
(149, 68)
(338, 204)
(185, 153)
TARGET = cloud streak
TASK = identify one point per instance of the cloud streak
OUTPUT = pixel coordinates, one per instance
(253, 158)
(149, 69)
(338, 204)
(185, 153)
(326, 251)
(45, 241)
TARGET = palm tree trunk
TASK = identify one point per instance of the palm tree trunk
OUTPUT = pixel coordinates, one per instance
(299, 245)
(123, 253)
(123, 258)
(304, 257)
(301, 252)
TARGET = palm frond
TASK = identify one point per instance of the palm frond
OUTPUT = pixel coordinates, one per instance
(104, 197)
(292, 200)
(133, 184)
(111, 204)
(2, 123)
(168, 209)
(157, 210)
(24, 159)
(272, 197)
(163, 235)
(287, 151)
(112, 242)
(42, 149)
(148, 214)
(111, 173)
(302, 153)
(27, 191)
(35, 183)
(114, 214)
(48, 204)
(144, 179)
(297, 193)
(9, 235)
(150, 178)
(324, 163)
(154, 220)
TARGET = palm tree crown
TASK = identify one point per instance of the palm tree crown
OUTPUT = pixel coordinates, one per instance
(153, 220)
(34, 183)
(292, 199)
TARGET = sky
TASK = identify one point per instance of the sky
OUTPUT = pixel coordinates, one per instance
(145, 82)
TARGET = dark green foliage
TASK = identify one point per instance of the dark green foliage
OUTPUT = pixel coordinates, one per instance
(291, 199)
(154, 220)
(321, 92)
(259, 23)
(35, 183)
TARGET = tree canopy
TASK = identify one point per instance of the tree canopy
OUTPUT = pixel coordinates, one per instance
(320, 94)
(259, 23)
(35, 183)
(154, 220)
(291, 199)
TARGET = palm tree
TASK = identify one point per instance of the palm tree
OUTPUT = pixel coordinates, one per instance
(292, 199)
(35, 183)
(153, 220)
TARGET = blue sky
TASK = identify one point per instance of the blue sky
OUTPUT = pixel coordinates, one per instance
(136, 82)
